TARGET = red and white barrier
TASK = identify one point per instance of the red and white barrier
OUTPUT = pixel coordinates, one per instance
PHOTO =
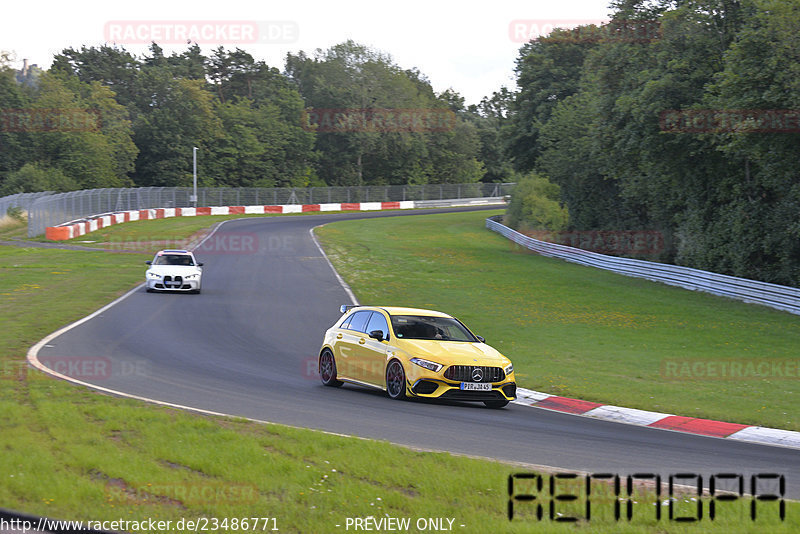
(74, 229)
(631, 416)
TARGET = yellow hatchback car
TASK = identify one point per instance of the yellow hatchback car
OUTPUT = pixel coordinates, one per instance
(410, 352)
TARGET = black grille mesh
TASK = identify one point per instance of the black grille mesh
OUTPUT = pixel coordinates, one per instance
(464, 373)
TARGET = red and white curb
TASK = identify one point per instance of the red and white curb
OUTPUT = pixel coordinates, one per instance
(678, 423)
(78, 228)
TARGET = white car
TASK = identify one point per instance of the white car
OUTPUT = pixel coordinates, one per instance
(174, 270)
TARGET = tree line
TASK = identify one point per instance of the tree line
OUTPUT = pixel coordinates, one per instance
(253, 125)
(692, 130)
(675, 117)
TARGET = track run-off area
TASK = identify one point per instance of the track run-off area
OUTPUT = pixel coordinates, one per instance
(247, 347)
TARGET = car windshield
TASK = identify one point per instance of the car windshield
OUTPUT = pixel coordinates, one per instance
(435, 328)
(173, 259)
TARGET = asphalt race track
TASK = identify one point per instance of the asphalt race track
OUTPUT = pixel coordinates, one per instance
(247, 346)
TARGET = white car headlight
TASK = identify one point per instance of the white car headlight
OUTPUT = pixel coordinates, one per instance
(192, 276)
(427, 364)
(508, 369)
(153, 275)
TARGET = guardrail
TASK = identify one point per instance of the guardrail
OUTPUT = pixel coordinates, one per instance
(57, 209)
(782, 298)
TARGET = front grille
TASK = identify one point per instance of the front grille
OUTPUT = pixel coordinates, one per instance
(176, 282)
(470, 373)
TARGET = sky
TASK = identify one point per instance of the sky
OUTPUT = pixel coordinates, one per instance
(467, 46)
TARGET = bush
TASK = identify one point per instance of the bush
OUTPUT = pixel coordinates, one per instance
(17, 214)
(33, 177)
(536, 205)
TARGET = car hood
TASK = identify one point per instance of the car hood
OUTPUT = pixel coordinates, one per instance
(453, 352)
(172, 270)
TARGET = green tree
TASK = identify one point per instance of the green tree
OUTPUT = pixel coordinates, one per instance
(353, 77)
(536, 205)
(604, 145)
(548, 70)
(489, 116)
(752, 227)
(177, 114)
(16, 147)
(259, 149)
(111, 66)
(264, 141)
(182, 100)
(33, 177)
(453, 155)
(97, 153)
(570, 157)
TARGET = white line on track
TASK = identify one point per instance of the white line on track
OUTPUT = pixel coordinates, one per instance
(344, 284)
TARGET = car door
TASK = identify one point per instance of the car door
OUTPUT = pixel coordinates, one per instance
(349, 341)
(372, 353)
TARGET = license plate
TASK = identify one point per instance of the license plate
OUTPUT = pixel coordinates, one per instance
(476, 386)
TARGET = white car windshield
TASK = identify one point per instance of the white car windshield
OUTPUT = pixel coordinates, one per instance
(434, 328)
(174, 259)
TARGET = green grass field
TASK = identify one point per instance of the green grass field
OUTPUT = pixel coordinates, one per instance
(68, 452)
(573, 330)
(72, 453)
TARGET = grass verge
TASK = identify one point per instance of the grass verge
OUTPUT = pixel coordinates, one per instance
(69, 452)
(577, 331)
(152, 235)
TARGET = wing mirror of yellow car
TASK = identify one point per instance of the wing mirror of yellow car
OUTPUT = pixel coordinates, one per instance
(481, 339)
(376, 334)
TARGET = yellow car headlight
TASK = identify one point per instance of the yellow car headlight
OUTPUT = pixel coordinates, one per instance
(508, 369)
(427, 364)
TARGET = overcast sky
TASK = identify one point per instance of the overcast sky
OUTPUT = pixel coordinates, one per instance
(467, 46)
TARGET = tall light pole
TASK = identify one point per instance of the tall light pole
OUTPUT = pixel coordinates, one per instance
(194, 176)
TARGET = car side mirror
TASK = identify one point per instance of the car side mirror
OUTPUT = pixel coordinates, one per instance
(149, 262)
(199, 263)
(481, 339)
(376, 334)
